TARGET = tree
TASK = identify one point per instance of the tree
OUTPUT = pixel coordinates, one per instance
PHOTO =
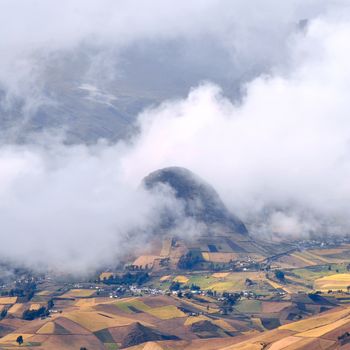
(279, 275)
(175, 286)
(50, 304)
(248, 282)
(3, 313)
(195, 287)
(30, 315)
(19, 340)
(189, 260)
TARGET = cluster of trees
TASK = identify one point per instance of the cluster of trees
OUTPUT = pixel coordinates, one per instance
(30, 315)
(128, 278)
(189, 260)
(279, 274)
(3, 313)
(22, 290)
(229, 300)
(175, 286)
(43, 311)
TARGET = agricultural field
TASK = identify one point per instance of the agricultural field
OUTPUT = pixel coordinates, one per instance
(220, 282)
(107, 325)
(162, 312)
(79, 293)
(340, 281)
(310, 274)
(8, 300)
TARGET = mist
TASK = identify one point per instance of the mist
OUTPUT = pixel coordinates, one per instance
(256, 104)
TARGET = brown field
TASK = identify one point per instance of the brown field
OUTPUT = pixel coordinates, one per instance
(274, 306)
(219, 257)
(289, 261)
(145, 261)
(303, 257)
(166, 312)
(193, 319)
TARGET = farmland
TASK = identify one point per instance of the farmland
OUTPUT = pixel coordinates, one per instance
(340, 281)
(78, 293)
(240, 307)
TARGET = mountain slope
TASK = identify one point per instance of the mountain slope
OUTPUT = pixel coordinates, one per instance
(201, 202)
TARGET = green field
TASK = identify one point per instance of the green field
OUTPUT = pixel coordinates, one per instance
(248, 306)
(310, 274)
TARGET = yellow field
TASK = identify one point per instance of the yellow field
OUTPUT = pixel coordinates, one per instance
(90, 302)
(277, 285)
(319, 321)
(220, 274)
(34, 307)
(94, 321)
(320, 331)
(200, 306)
(165, 278)
(79, 293)
(162, 312)
(8, 300)
(233, 281)
(150, 346)
(47, 328)
(181, 279)
(338, 281)
(15, 308)
(166, 312)
(222, 286)
(246, 346)
(106, 275)
(44, 293)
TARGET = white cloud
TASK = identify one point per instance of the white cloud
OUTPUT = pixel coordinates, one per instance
(285, 144)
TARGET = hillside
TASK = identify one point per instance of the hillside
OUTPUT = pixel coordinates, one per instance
(201, 201)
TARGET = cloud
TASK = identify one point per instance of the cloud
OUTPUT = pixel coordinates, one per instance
(68, 208)
(277, 152)
(285, 144)
(44, 41)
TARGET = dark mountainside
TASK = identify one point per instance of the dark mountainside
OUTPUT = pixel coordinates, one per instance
(201, 201)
